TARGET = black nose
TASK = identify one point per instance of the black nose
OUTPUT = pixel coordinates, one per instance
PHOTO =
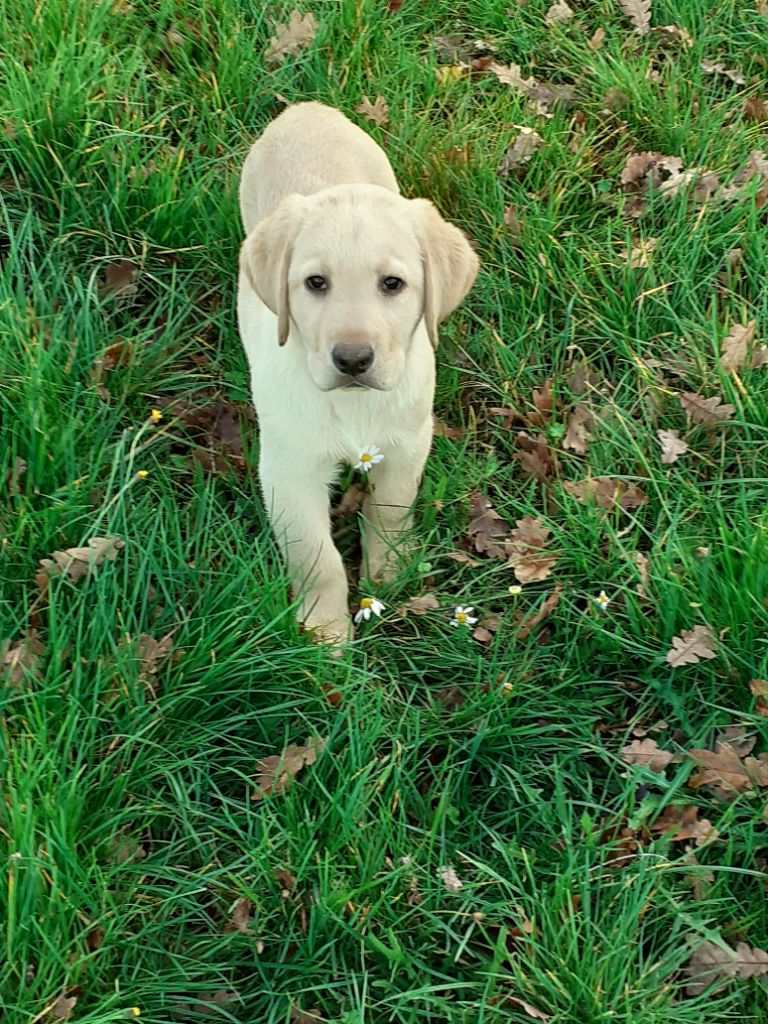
(352, 359)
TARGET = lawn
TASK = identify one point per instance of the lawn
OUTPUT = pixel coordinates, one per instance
(496, 822)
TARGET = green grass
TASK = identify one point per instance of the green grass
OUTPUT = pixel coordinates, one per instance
(127, 826)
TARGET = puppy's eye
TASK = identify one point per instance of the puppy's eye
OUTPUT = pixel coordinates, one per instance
(316, 283)
(391, 285)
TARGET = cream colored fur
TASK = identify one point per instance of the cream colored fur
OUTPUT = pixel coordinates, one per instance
(318, 197)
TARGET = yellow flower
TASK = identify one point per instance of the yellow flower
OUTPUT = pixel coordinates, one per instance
(155, 415)
(142, 474)
(515, 589)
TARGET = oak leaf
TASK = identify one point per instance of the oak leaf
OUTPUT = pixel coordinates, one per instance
(532, 619)
(376, 112)
(19, 661)
(736, 344)
(241, 917)
(77, 562)
(672, 446)
(712, 967)
(728, 774)
(705, 410)
(277, 773)
(578, 433)
(558, 13)
(521, 150)
(419, 605)
(691, 647)
(607, 492)
(639, 13)
(648, 754)
(717, 67)
(487, 528)
(152, 653)
(62, 1008)
(526, 552)
(289, 39)
(682, 824)
(119, 279)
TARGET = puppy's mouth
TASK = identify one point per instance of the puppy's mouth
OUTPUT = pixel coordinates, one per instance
(352, 384)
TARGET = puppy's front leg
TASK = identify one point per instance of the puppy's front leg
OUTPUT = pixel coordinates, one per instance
(388, 510)
(296, 497)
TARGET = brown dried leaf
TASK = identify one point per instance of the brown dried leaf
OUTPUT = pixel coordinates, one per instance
(241, 918)
(19, 661)
(716, 67)
(277, 773)
(736, 344)
(312, 1016)
(62, 1008)
(637, 257)
(597, 40)
(639, 13)
(526, 551)
(450, 879)
(672, 446)
(420, 605)
(119, 279)
(510, 74)
(487, 529)
(713, 967)
(756, 109)
(647, 753)
(350, 501)
(521, 150)
(579, 431)
(759, 689)
(528, 1009)
(532, 619)
(675, 34)
(151, 652)
(544, 401)
(286, 881)
(463, 559)
(607, 492)
(705, 410)
(649, 169)
(536, 457)
(558, 14)
(441, 429)
(515, 226)
(682, 824)
(726, 772)
(289, 39)
(77, 562)
(691, 647)
(376, 112)
(118, 354)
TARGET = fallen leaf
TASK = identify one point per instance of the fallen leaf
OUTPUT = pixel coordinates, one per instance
(526, 553)
(77, 562)
(532, 619)
(724, 771)
(289, 39)
(755, 167)
(124, 848)
(277, 773)
(672, 446)
(515, 226)
(62, 1008)
(286, 881)
(152, 653)
(377, 112)
(649, 170)
(441, 429)
(450, 879)
(510, 74)
(760, 357)
(19, 661)
(544, 401)
(648, 754)
(351, 501)
(521, 150)
(607, 492)
(705, 410)
(463, 559)
(419, 605)
(597, 40)
(738, 739)
(675, 34)
(445, 74)
(755, 109)
(312, 1016)
(579, 430)
(736, 344)
(487, 529)
(712, 67)
(241, 918)
(558, 13)
(639, 13)
(117, 355)
(713, 967)
(536, 457)
(691, 647)
(528, 1009)
(759, 689)
(682, 824)
(119, 279)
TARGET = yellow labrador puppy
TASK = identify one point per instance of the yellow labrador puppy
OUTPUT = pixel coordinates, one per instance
(343, 283)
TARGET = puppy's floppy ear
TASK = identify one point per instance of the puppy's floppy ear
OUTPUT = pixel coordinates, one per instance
(450, 265)
(265, 257)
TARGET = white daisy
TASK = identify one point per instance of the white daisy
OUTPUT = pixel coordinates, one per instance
(369, 606)
(602, 600)
(463, 616)
(369, 457)
(515, 589)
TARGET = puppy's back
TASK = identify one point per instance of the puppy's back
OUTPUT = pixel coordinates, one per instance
(307, 148)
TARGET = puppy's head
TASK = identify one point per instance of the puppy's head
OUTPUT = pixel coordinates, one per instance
(354, 269)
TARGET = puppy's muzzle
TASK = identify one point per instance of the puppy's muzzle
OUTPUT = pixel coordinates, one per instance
(352, 359)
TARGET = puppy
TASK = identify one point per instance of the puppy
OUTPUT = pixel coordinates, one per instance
(342, 285)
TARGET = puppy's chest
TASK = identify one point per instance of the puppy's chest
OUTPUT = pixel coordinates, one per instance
(351, 427)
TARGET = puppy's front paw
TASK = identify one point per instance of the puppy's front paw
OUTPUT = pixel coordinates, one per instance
(383, 562)
(330, 625)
